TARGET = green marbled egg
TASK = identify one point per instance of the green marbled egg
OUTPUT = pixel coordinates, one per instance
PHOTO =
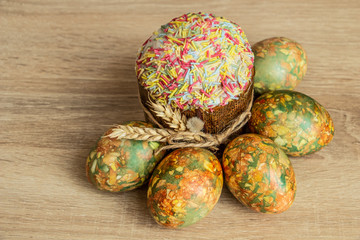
(122, 165)
(280, 63)
(294, 121)
(259, 174)
(184, 187)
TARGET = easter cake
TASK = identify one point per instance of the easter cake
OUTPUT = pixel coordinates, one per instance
(201, 65)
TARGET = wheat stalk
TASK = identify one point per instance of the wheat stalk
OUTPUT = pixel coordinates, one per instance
(138, 133)
(172, 118)
(155, 134)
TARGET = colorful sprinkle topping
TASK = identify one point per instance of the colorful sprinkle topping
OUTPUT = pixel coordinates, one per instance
(196, 61)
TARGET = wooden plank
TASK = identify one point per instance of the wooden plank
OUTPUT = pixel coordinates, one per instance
(67, 74)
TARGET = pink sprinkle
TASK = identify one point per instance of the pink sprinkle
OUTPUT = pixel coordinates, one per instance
(171, 87)
(231, 88)
(178, 77)
(180, 106)
(162, 84)
(146, 41)
(186, 47)
(224, 101)
(193, 84)
(164, 79)
(225, 86)
(234, 85)
(246, 84)
(205, 93)
(177, 70)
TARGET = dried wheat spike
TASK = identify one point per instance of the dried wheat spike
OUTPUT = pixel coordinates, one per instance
(171, 117)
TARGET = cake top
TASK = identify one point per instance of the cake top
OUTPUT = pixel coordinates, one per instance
(197, 60)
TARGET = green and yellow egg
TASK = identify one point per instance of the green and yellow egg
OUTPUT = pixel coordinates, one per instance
(259, 174)
(280, 63)
(294, 121)
(119, 165)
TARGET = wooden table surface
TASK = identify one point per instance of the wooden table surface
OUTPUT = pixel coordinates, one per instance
(67, 74)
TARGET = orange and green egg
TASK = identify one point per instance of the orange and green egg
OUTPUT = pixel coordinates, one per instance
(259, 174)
(294, 121)
(184, 187)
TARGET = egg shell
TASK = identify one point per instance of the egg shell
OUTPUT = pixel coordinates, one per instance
(280, 63)
(122, 165)
(294, 121)
(184, 187)
(259, 174)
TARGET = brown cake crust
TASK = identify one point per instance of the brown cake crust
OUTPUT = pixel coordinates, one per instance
(215, 121)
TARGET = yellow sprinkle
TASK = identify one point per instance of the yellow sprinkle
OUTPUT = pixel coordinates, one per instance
(201, 58)
(172, 94)
(164, 76)
(158, 84)
(230, 76)
(193, 44)
(199, 71)
(177, 52)
(173, 73)
(183, 87)
(151, 55)
(174, 39)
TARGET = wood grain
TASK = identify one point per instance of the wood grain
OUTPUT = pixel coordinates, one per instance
(67, 74)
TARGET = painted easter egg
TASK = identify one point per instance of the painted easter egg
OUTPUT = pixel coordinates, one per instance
(184, 187)
(280, 63)
(294, 121)
(259, 174)
(119, 165)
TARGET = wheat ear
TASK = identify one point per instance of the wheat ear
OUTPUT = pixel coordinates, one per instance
(171, 117)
